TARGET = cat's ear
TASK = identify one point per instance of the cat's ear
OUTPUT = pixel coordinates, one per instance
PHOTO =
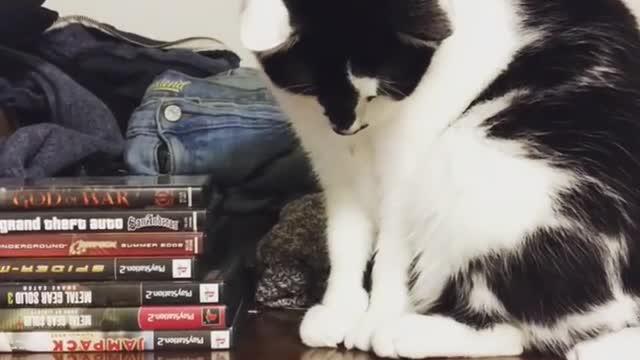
(264, 24)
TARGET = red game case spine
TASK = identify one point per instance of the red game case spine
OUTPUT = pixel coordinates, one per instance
(101, 245)
(197, 317)
(124, 341)
(144, 355)
(118, 341)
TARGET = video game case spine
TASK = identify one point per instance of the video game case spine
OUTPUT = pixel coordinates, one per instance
(110, 342)
(99, 221)
(143, 355)
(97, 269)
(101, 197)
(101, 245)
(189, 317)
(112, 294)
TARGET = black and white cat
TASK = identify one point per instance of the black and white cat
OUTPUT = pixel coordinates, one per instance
(493, 168)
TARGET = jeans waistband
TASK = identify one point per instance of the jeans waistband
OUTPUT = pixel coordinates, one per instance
(233, 98)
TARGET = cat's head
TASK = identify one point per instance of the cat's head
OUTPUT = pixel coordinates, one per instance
(344, 53)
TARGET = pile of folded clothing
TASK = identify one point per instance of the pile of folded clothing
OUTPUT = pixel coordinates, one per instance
(80, 97)
(71, 84)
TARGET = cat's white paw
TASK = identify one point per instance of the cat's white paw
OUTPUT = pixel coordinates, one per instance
(327, 325)
(360, 337)
(619, 345)
(334, 354)
(324, 326)
(589, 351)
(418, 337)
(383, 340)
(415, 337)
(575, 354)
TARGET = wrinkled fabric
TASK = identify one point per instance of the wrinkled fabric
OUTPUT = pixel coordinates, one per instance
(61, 88)
(22, 22)
(292, 259)
(118, 67)
(44, 149)
(59, 122)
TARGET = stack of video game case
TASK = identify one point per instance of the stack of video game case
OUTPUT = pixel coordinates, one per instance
(114, 264)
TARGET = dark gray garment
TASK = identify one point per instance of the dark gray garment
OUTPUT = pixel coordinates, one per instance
(59, 122)
(293, 262)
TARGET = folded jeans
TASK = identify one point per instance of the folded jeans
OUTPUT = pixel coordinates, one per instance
(227, 125)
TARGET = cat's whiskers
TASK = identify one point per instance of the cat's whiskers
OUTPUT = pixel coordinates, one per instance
(384, 92)
(387, 87)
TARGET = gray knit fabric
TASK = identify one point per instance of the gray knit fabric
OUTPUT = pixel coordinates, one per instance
(292, 259)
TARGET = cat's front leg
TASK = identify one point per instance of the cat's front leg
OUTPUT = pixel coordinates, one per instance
(389, 293)
(350, 240)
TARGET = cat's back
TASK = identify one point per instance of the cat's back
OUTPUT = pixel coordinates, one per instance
(570, 101)
(577, 93)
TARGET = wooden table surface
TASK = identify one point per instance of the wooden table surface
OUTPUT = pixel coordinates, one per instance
(274, 336)
(265, 336)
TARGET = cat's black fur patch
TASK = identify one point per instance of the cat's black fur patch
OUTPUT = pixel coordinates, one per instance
(334, 34)
(454, 302)
(555, 274)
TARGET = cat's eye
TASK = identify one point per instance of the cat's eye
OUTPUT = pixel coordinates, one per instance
(370, 98)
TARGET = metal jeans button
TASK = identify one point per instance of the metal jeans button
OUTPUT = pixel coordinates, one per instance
(173, 113)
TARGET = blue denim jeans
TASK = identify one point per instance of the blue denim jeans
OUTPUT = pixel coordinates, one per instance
(227, 126)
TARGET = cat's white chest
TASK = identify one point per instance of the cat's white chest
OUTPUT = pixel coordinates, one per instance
(470, 189)
(463, 194)
(484, 190)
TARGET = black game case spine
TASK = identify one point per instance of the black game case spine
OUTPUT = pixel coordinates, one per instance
(113, 294)
(97, 269)
(101, 197)
(99, 221)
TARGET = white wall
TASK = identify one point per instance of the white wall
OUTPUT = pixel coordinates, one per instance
(634, 5)
(164, 19)
(174, 19)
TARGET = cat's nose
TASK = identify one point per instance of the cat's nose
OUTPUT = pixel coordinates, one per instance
(354, 129)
